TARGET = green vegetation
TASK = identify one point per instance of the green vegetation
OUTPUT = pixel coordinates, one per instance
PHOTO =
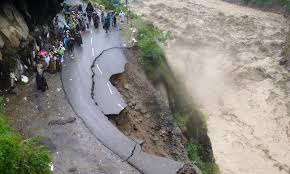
(269, 3)
(193, 151)
(19, 156)
(149, 40)
(108, 4)
(150, 46)
(181, 120)
(2, 109)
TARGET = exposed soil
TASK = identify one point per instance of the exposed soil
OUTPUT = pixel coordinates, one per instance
(148, 116)
(74, 149)
(228, 56)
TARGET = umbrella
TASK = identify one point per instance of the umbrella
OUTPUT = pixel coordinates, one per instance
(41, 53)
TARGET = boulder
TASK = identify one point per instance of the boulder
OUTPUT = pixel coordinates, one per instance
(13, 26)
(1, 42)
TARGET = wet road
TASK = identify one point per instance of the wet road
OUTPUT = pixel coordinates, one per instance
(77, 81)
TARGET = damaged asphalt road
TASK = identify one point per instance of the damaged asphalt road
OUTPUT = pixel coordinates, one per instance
(77, 82)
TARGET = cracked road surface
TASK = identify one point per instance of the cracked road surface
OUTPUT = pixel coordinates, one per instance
(77, 81)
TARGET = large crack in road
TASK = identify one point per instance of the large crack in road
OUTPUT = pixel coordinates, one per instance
(79, 84)
(93, 89)
(143, 162)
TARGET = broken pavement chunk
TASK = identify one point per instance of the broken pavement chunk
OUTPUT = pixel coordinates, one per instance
(61, 121)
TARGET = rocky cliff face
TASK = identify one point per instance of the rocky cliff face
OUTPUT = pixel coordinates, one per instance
(17, 19)
(18, 16)
(13, 27)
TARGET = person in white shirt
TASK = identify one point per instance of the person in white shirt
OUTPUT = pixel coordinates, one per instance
(12, 80)
(122, 19)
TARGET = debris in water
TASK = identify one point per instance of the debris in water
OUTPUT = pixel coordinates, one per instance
(25, 98)
(58, 89)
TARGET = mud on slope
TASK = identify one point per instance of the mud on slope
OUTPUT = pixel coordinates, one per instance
(227, 57)
(148, 116)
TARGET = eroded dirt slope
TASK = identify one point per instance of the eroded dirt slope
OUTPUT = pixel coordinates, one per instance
(227, 56)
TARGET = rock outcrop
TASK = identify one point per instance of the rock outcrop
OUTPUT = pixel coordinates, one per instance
(18, 18)
(13, 27)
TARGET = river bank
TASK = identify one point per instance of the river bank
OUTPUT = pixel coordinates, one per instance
(228, 56)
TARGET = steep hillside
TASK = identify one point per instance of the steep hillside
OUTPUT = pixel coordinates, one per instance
(228, 56)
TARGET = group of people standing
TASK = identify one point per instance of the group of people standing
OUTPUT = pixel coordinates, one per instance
(68, 34)
(49, 61)
(110, 21)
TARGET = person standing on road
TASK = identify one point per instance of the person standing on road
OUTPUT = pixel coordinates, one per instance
(103, 17)
(12, 80)
(122, 19)
(107, 23)
(89, 10)
(80, 8)
(60, 51)
(114, 19)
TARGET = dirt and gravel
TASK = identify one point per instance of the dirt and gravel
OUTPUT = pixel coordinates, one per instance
(147, 116)
(228, 56)
(74, 149)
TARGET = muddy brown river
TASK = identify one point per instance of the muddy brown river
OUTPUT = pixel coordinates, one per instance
(227, 56)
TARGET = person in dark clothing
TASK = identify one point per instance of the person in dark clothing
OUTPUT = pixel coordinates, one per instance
(80, 8)
(96, 19)
(90, 10)
(41, 82)
(103, 17)
(71, 42)
(114, 19)
(107, 24)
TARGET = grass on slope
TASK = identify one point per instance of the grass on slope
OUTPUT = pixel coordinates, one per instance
(18, 156)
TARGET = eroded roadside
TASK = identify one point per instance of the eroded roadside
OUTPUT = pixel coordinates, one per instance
(148, 116)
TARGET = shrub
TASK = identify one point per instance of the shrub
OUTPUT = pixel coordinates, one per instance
(2, 109)
(150, 51)
(150, 40)
(34, 159)
(282, 3)
(181, 119)
(19, 156)
(264, 2)
(193, 151)
(108, 4)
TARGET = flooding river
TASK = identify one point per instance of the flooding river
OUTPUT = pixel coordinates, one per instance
(227, 56)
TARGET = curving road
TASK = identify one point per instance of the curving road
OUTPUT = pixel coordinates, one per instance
(92, 104)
